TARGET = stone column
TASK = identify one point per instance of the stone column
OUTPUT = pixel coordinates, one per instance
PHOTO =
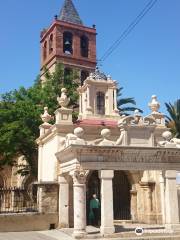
(171, 201)
(107, 212)
(79, 190)
(63, 202)
(162, 188)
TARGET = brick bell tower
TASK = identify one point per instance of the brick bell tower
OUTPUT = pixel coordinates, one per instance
(69, 42)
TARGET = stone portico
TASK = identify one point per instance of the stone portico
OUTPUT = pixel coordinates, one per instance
(129, 161)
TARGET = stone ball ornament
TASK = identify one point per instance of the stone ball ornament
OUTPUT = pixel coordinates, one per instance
(105, 133)
(79, 132)
(167, 135)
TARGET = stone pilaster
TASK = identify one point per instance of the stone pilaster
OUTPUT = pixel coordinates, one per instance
(63, 202)
(79, 189)
(149, 216)
(162, 192)
(107, 213)
(171, 201)
(134, 205)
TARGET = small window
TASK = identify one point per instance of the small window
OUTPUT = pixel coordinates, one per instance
(68, 75)
(45, 50)
(51, 44)
(67, 43)
(100, 103)
(84, 75)
(84, 46)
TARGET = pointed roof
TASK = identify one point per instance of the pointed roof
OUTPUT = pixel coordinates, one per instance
(69, 13)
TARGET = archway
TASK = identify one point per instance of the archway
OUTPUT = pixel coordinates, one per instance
(92, 187)
(121, 196)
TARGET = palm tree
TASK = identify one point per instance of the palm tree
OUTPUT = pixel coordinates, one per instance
(173, 120)
(122, 103)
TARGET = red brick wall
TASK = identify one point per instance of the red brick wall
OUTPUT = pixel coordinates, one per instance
(74, 60)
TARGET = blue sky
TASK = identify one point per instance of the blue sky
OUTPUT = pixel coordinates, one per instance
(146, 63)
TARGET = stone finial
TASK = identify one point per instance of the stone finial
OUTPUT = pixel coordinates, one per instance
(154, 105)
(46, 117)
(109, 78)
(137, 116)
(105, 133)
(168, 141)
(167, 135)
(79, 132)
(63, 100)
(137, 113)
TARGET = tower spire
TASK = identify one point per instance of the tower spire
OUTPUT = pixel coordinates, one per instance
(69, 13)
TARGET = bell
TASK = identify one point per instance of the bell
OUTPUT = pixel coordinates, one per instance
(67, 42)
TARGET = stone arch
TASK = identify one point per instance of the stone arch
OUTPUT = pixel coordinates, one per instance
(121, 196)
(92, 186)
(68, 43)
(84, 46)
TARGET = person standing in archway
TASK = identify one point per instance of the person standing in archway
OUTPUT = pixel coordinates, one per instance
(94, 210)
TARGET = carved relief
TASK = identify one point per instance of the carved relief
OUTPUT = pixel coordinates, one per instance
(79, 176)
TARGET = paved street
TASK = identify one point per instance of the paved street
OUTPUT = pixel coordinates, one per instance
(59, 235)
(45, 235)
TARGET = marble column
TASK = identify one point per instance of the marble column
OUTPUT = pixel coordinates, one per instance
(107, 212)
(79, 190)
(171, 201)
(63, 202)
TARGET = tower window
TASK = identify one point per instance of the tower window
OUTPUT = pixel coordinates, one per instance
(51, 43)
(84, 46)
(100, 97)
(67, 43)
(45, 50)
(84, 75)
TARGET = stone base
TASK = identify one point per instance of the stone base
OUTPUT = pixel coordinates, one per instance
(107, 230)
(79, 234)
(173, 227)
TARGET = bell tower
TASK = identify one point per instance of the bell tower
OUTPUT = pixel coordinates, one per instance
(70, 42)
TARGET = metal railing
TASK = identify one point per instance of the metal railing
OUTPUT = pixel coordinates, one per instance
(16, 200)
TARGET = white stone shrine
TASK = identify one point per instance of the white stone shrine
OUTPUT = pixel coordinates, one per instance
(130, 162)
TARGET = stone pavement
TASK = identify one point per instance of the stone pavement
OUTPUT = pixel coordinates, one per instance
(44, 235)
(124, 232)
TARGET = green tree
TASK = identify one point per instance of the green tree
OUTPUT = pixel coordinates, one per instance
(173, 120)
(125, 105)
(20, 116)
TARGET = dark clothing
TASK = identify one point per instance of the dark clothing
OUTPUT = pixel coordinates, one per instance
(96, 216)
(94, 211)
